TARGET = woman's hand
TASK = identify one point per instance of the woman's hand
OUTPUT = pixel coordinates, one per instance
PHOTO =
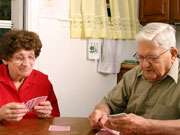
(43, 110)
(13, 111)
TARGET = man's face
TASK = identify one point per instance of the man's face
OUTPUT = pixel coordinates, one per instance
(154, 69)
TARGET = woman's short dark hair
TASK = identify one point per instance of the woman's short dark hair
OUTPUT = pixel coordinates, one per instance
(16, 40)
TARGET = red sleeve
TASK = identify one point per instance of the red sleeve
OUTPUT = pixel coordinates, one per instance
(54, 103)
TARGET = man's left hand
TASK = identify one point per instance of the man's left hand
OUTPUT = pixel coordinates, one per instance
(129, 123)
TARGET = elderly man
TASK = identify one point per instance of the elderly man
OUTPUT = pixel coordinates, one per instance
(149, 94)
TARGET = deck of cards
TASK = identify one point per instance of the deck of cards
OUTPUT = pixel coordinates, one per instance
(35, 101)
(59, 128)
(116, 115)
(107, 131)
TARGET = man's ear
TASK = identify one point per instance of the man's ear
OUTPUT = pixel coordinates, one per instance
(4, 62)
(174, 53)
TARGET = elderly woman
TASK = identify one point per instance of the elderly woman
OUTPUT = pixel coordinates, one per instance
(19, 82)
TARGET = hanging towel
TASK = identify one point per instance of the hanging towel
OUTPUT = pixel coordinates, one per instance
(94, 48)
(110, 58)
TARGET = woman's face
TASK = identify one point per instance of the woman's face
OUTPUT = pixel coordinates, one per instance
(21, 64)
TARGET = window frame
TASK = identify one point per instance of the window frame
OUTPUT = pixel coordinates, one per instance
(17, 16)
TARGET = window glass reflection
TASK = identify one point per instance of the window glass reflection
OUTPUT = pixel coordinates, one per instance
(2, 31)
(5, 9)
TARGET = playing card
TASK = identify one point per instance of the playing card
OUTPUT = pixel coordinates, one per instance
(35, 101)
(59, 128)
(117, 115)
(32, 102)
(39, 100)
(27, 104)
(107, 131)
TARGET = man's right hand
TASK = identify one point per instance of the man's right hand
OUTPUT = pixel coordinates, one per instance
(97, 119)
(13, 111)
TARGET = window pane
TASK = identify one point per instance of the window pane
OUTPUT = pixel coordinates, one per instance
(5, 9)
(2, 31)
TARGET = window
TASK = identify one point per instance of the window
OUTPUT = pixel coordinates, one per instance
(5, 16)
(11, 15)
(108, 8)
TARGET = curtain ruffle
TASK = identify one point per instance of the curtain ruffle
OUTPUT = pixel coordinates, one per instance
(91, 19)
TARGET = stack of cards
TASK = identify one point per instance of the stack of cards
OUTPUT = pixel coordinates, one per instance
(107, 131)
(59, 128)
(35, 101)
(117, 115)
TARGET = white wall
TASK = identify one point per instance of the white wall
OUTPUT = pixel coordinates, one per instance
(77, 85)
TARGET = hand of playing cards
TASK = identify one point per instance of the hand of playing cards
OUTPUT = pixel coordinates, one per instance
(35, 101)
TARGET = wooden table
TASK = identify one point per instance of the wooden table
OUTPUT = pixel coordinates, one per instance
(79, 126)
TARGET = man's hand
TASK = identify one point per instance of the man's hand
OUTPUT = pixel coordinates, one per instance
(97, 119)
(13, 111)
(43, 110)
(129, 123)
(99, 116)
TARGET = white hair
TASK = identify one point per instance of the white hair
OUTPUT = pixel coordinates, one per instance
(162, 34)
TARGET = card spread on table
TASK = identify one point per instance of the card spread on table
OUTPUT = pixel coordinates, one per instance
(107, 131)
(35, 101)
(59, 128)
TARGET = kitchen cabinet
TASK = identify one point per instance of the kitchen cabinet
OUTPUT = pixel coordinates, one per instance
(159, 11)
(175, 11)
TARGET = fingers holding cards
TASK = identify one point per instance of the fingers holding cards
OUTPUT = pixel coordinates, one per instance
(43, 110)
(35, 101)
(39, 100)
(13, 111)
(40, 106)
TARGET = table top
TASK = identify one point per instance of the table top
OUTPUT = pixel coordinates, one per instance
(35, 126)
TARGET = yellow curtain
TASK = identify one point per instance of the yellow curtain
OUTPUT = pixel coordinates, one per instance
(89, 19)
(124, 21)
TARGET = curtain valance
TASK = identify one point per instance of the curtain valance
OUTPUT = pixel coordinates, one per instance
(89, 19)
